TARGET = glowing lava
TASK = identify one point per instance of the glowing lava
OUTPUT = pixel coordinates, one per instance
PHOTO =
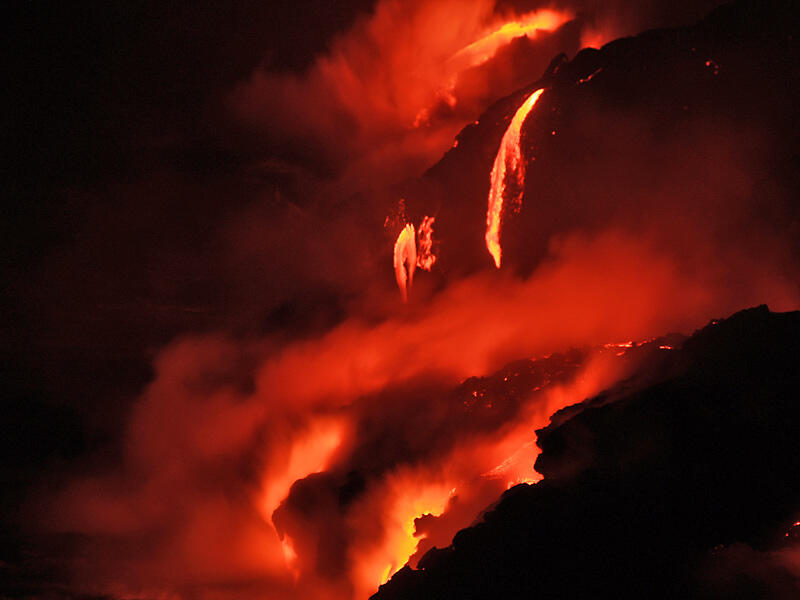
(425, 256)
(529, 24)
(508, 159)
(405, 259)
(411, 250)
(486, 47)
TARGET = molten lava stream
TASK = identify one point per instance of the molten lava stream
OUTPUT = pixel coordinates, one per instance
(485, 48)
(530, 24)
(509, 158)
(425, 255)
(405, 259)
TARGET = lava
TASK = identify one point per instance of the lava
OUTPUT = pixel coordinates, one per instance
(405, 259)
(529, 24)
(413, 248)
(486, 47)
(508, 159)
(425, 256)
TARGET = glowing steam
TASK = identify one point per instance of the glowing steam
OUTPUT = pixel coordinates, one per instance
(486, 47)
(403, 497)
(398, 85)
(308, 453)
(507, 163)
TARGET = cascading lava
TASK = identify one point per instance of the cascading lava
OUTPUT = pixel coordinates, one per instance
(405, 259)
(508, 166)
(413, 248)
(425, 255)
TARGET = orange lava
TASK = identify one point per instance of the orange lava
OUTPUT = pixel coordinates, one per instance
(486, 47)
(508, 159)
(405, 259)
(528, 24)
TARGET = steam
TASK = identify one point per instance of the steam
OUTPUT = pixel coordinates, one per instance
(400, 84)
(223, 447)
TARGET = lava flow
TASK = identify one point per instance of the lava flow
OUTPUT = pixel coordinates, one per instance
(509, 158)
(529, 24)
(425, 255)
(486, 47)
(405, 259)
(413, 248)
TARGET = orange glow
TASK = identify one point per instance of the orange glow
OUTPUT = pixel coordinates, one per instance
(425, 256)
(309, 453)
(509, 158)
(530, 24)
(405, 259)
(518, 466)
(290, 556)
(402, 538)
(405, 496)
(197, 420)
(410, 74)
(590, 76)
(485, 48)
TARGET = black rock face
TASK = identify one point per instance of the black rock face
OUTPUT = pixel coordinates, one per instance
(677, 490)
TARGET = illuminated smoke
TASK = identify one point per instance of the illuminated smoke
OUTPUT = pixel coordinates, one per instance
(219, 436)
(507, 163)
(400, 84)
(308, 453)
(402, 497)
(405, 259)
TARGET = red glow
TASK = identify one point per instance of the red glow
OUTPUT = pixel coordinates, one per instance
(485, 48)
(408, 77)
(227, 427)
